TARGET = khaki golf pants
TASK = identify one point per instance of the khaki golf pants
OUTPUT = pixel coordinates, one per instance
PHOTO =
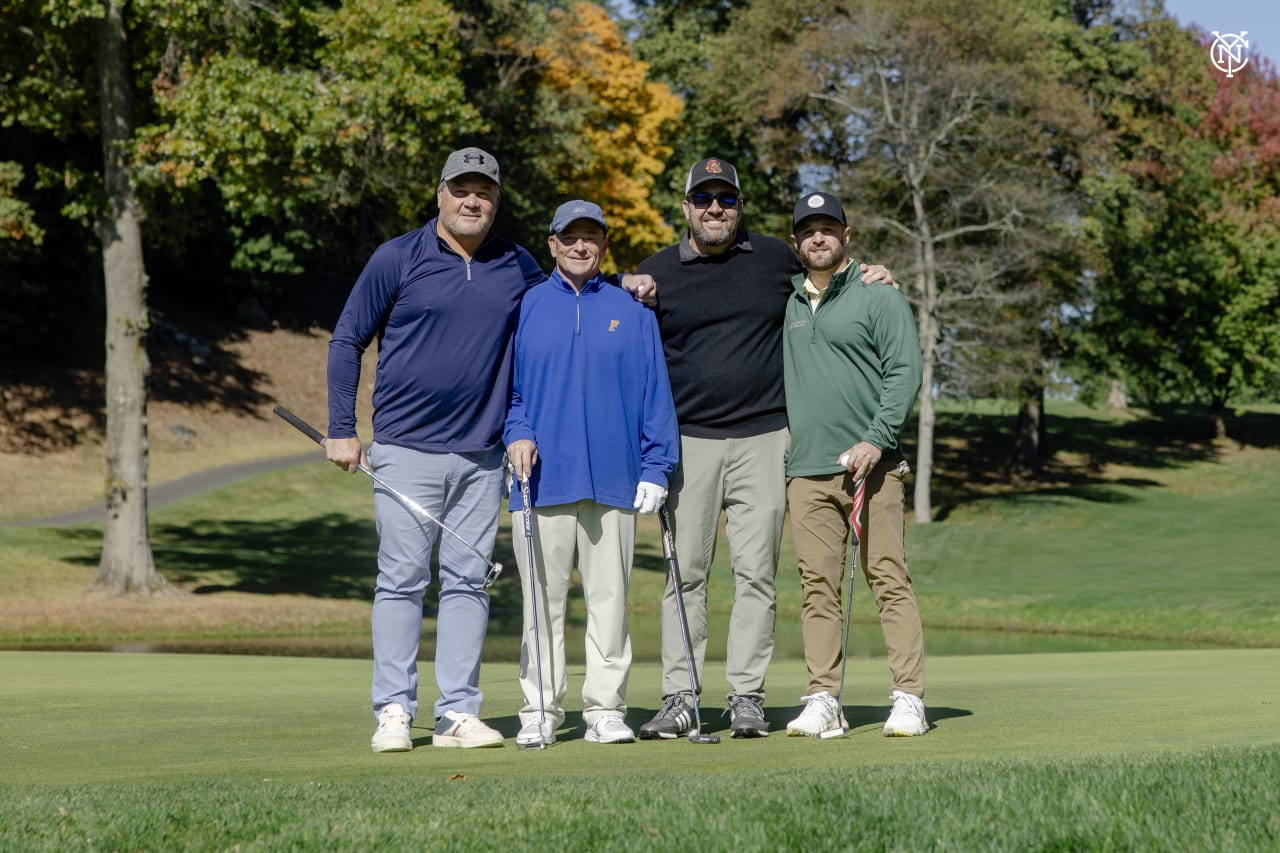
(744, 478)
(604, 539)
(820, 509)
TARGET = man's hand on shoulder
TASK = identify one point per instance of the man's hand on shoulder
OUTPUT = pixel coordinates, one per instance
(877, 273)
(642, 287)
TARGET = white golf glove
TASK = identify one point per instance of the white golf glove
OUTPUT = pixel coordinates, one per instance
(649, 496)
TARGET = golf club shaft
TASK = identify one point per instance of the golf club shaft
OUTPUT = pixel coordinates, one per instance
(854, 542)
(673, 568)
(533, 601)
(312, 433)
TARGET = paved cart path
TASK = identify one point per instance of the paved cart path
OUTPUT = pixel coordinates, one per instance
(177, 490)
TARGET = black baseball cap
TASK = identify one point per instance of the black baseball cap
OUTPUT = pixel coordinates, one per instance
(711, 169)
(818, 204)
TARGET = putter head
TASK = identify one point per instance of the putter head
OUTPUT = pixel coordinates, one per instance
(696, 736)
(542, 744)
(833, 734)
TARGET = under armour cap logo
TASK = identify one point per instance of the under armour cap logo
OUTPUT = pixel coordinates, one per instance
(472, 158)
(714, 167)
(815, 200)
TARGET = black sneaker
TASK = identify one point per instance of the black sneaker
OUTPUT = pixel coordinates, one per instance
(675, 718)
(746, 717)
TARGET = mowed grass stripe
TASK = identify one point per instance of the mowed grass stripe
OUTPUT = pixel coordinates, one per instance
(1104, 751)
(81, 718)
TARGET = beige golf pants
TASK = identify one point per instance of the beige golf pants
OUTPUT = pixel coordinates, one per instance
(820, 509)
(604, 539)
(744, 478)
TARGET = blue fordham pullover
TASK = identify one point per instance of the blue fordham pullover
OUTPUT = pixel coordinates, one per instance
(591, 391)
(444, 328)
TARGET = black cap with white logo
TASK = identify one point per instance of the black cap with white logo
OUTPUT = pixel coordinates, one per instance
(818, 204)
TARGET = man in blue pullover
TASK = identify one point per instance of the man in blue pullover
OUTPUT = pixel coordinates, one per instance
(442, 302)
(592, 427)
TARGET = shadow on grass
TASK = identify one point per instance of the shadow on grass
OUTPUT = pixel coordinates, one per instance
(972, 452)
(714, 720)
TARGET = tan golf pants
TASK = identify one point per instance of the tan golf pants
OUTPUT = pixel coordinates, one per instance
(820, 509)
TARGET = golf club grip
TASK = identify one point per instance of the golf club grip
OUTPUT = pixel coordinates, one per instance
(528, 510)
(300, 425)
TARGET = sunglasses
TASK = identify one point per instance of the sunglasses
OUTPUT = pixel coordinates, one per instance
(728, 201)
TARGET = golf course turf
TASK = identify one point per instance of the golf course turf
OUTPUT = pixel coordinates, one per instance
(1116, 750)
(1151, 534)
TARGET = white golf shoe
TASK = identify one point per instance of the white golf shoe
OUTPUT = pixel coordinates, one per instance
(821, 714)
(610, 729)
(907, 717)
(392, 734)
(533, 735)
(464, 731)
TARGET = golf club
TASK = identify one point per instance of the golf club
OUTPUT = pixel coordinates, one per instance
(855, 537)
(312, 433)
(533, 602)
(673, 568)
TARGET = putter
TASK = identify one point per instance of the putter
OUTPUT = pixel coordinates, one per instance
(533, 591)
(673, 569)
(312, 433)
(855, 537)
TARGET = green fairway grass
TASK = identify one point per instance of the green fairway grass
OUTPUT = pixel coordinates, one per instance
(1122, 750)
(1174, 543)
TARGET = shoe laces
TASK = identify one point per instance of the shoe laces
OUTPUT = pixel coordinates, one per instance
(675, 705)
(826, 700)
(743, 706)
(907, 703)
(387, 716)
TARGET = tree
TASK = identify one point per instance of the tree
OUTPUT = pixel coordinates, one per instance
(57, 97)
(571, 112)
(679, 39)
(918, 113)
(1185, 303)
(331, 137)
(127, 565)
(615, 123)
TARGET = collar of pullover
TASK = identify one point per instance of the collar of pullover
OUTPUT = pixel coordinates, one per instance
(591, 285)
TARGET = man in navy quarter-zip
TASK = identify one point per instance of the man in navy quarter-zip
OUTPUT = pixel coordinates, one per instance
(442, 302)
(592, 427)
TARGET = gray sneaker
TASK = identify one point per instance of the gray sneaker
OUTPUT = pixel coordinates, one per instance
(675, 718)
(746, 717)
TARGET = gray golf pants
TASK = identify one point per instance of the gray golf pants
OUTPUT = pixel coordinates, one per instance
(745, 478)
(463, 492)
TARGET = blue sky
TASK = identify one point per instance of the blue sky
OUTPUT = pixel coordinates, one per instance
(1261, 18)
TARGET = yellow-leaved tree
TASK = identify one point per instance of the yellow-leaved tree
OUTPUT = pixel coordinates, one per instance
(620, 120)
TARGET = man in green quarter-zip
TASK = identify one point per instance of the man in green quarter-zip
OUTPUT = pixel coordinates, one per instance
(851, 366)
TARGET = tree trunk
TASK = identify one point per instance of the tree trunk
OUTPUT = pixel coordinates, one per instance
(1218, 411)
(924, 452)
(1030, 445)
(1116, 397)
(927, 326)
(127, 565)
